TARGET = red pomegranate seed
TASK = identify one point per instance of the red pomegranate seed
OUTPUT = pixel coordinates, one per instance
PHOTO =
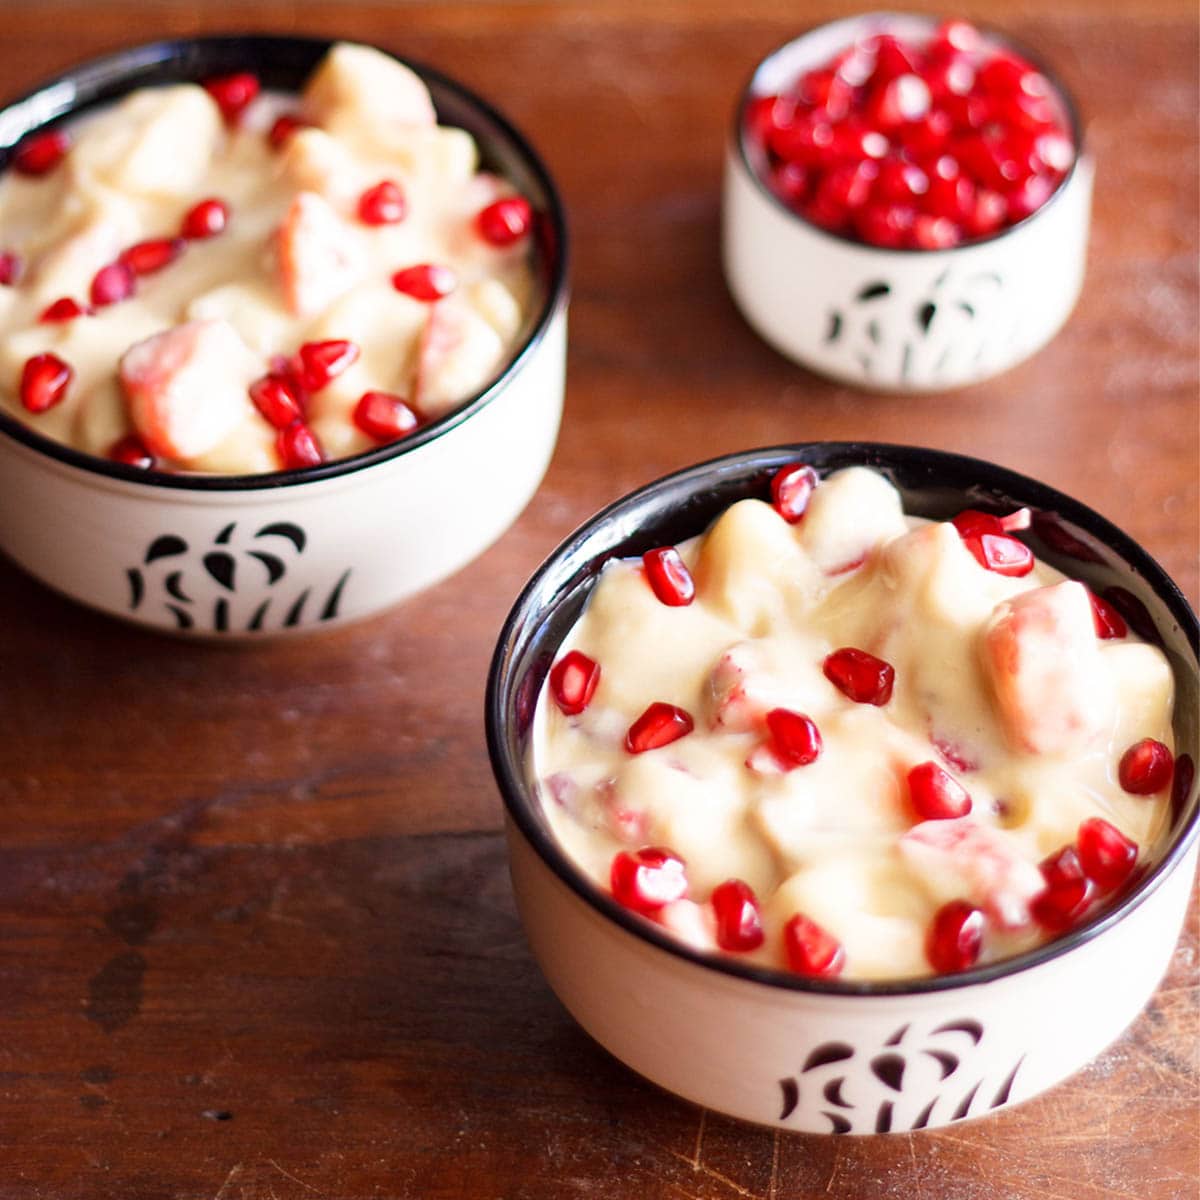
(233, 93)
(807, 140)
(951, 194)
(862, 677)
(384, 417)
(1067, 894)
(41, 153)
(322, 362)
(275, 397)
(739, 919)
(112, 284)
(899, 102)
(900, 182)
(131, 451)
(147, 257)
(935, 233)
(792, 183)
(892, 58)
(425, 281)
(383, 204)
(648, 879)
(283, 127)
(888, 225)
(573, 682)
(956, 36)
(847, 185)
(795, 738)
(660, 725)
(1145, 768)
(827, 90)
(44, 381)
(297, 447)
(988, 215)
(811, 950)
(1109, 623)
(1001, 553)
(205, 220)
(973, 523)
(935, 794)
(854, 141)
(62, 309)
(505, 222)
(669, 577)
(791, 489)
(10, 268)
(955, 937)
(1106, 854)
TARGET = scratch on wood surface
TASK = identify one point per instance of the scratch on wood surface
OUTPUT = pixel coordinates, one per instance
(699, 1139)
(837, 1164)
(774, 1166)
(289, 1175)
(709, 1173)
(234, 1172)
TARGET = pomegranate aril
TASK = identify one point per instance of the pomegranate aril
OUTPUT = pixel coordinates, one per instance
(1109, 623)
(425, 281)
(505, 222)
(953, 37)
(660, 725)
(647, 879)
(204, 220)
(283, 127)
(383, 204)
(935, 233)
(1067, 894)
(112, 284)
(807, 139)
(573, 682)
(792, 183)
(276, 399)
(44, 382)
(131, 451)
(855, 141)
(887, 225)
(795, 738)
(1029, 196)
(322, 362)
(936, 795)
(791, 489)
(297, 447)
(767, 113)
(951, 194)
(1000, 553)
(62, 309)
(668, 576)
(898, 102)
(1005, 73)
(900, 182)
(860, 676)
(1108, 857)
(233, 93)
(847, 185)
(955, 937)
(1145, 768)
(892, 58)
(739, 919)
(10, 268)
(987, 215)
(811, 950)
(145, 258)
(928, 137)
(384, 417)
(41, 153)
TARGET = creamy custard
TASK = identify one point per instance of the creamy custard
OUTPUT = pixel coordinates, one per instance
(308, 253)
(1001, 690)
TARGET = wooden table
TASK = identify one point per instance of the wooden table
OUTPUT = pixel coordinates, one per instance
(256, 933)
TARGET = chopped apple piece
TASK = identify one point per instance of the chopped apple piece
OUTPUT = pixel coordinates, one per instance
(850, 514)
(369, 85)
(319, 255)
(458, 353)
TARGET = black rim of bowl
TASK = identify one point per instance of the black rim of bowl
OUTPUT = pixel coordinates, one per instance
(283, 61)
(993, 37)
(687, 500)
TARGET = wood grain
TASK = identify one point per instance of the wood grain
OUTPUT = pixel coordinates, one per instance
(256, 933)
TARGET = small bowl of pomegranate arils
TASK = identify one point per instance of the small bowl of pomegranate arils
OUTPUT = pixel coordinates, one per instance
(850, 787)
(906, 203)
(282, 332)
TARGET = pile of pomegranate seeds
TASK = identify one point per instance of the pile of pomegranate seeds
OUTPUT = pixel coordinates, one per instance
(647, 880)
(669, 577)
(660, 725)
(903, 144)
(811, 950)
(573, 681)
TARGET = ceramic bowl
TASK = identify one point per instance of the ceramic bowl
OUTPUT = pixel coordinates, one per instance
(293, 550)
(896, 320)
(839, 1056)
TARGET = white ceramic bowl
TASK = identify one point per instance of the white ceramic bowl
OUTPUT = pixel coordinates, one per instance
(294, 550)
(896, 320)
(839, 1056)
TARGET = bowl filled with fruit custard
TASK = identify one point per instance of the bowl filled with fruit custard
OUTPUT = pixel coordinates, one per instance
(850, 755)
(271, 284)
(906, 202)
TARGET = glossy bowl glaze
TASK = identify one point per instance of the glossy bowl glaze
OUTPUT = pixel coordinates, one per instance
(840, 1056)
(899, 320)
(254, 555)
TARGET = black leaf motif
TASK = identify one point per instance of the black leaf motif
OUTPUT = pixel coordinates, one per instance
(137, 586)
(965, 1107)
(286, 529)
(906, 361)
(873, 332)
(293, 616)
(924, 1115)
(969, 309)
(1001, 1097)
(889, 1070)
(259, 613)
(174, 585)
(335, 598)
(839, 1123)
(164, 547)
(833, 1093)
(220, 566)
(874, 291)
(897, 1037)
(883, 1119)
(275, 567)
(222, 538)
(183, 618)
(925, 315)
(835, 327)
(972, 1029)
(827, 1052)
(948, 1062)
(791, 1097)
(221, 615)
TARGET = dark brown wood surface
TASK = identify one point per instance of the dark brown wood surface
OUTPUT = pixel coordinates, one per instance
(256, 933)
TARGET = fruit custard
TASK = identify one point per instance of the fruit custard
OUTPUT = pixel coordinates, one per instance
(830, 738)
(207, 278)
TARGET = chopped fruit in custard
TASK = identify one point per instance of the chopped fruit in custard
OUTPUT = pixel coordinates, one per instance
(864, 771)
(367, 276)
